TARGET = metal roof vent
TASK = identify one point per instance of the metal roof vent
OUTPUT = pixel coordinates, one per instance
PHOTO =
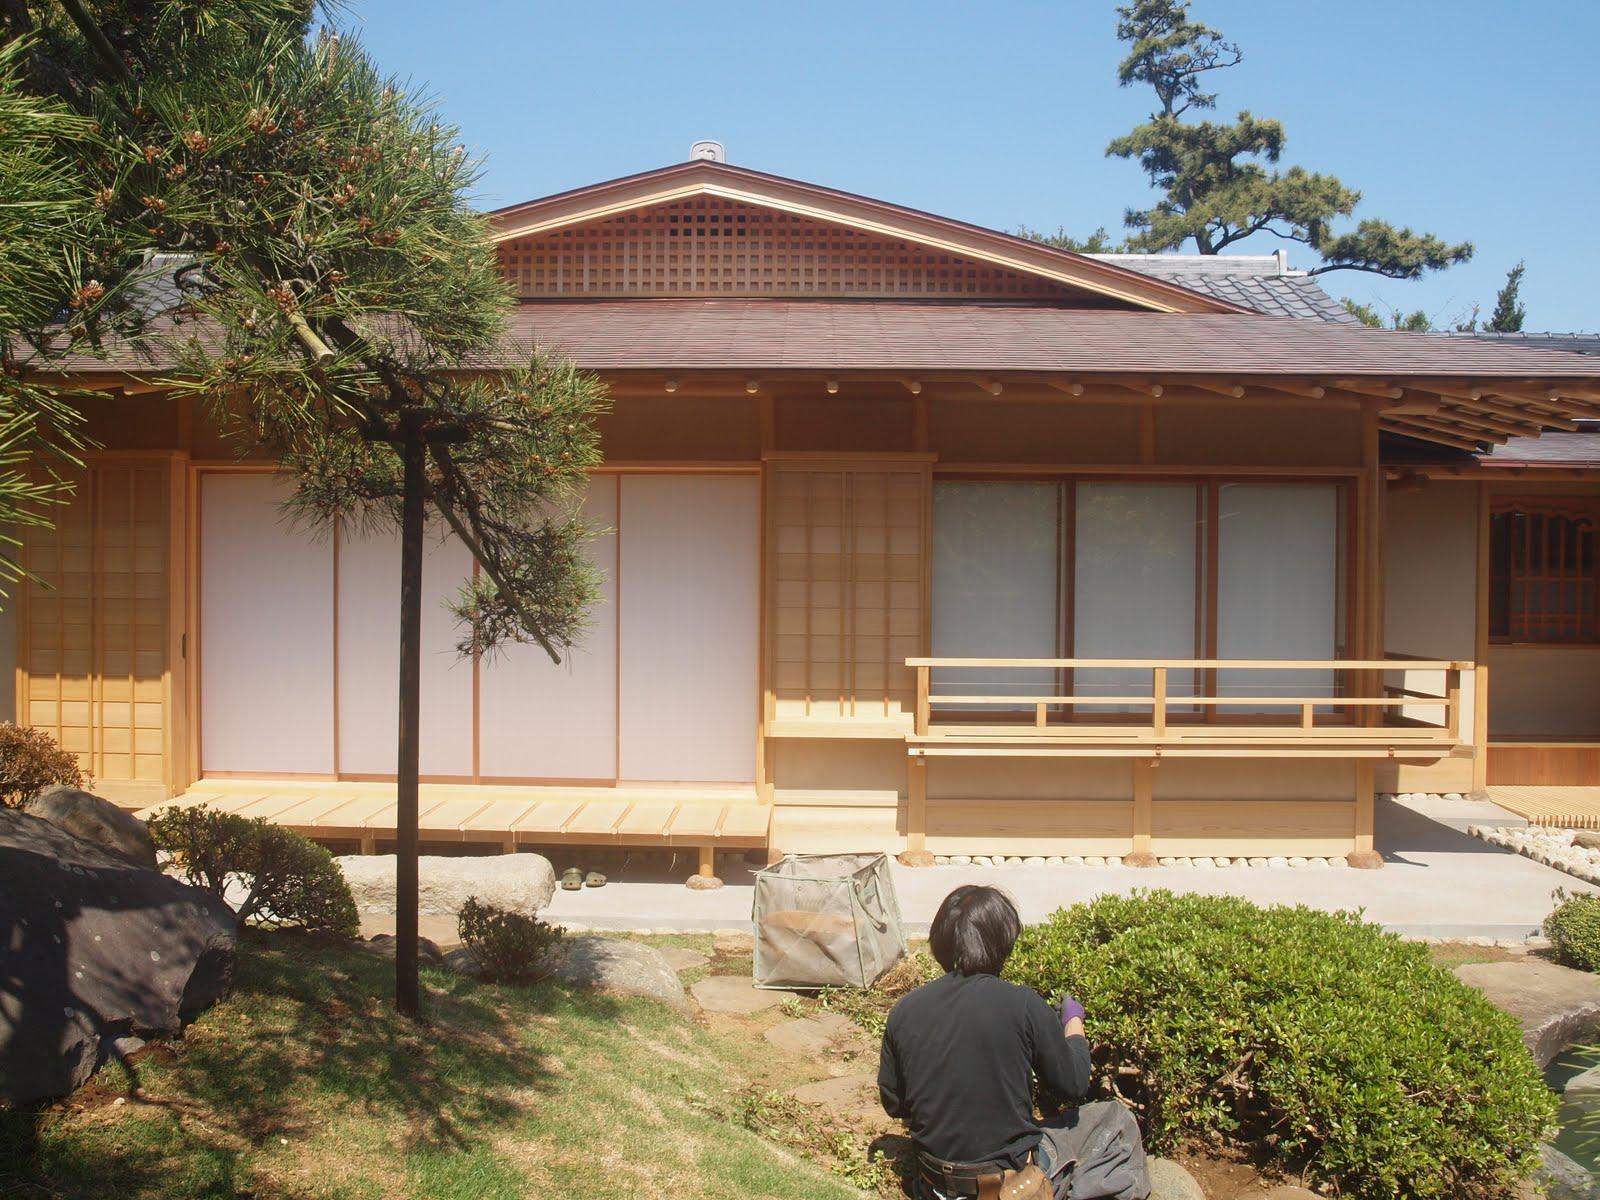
(709, 151)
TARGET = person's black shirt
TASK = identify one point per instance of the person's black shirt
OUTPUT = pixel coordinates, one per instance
(959, 1056)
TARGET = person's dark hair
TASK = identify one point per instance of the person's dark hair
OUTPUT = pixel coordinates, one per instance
(974, 930)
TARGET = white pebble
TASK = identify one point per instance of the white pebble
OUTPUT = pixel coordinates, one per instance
(1277, 861)
(1114, 861)
(1094, 860)
(1033, 861)
(1258, 862)
(1073, 860)
(941, 860)
(1055, 860)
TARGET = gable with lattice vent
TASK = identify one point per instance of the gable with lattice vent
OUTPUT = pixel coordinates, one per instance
(713, 246)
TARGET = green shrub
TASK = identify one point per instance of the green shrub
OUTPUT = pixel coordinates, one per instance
(288, 879)
(1321, 1040)
(1574, 930)
(30, 761)
(510, 947)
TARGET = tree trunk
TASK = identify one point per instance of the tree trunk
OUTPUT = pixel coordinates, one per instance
(405, 900)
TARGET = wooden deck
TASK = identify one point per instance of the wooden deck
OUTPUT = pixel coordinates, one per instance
(510, 817)
(1567, 807)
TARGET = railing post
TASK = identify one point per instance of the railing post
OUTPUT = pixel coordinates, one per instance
(1308, 718)
(1452, 708)
(1158, 689)
(922, 701)
(1039, 714)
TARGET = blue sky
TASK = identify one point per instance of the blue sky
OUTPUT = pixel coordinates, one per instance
(1472, 119)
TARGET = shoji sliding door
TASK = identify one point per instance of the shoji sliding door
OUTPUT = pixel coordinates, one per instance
(688, 638)
(266, 633)
(369, 662)
(541, 720)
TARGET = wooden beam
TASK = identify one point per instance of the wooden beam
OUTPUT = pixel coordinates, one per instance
(1371, 387)
(1070, 386)
(1234, 390)
(1429, 433)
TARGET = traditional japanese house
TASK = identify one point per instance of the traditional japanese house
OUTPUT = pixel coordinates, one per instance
(921, 537)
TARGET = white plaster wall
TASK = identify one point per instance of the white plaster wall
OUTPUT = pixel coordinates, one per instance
(1430, 573)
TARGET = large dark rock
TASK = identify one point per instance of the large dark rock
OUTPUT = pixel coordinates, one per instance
(94, 949)
(95, 820)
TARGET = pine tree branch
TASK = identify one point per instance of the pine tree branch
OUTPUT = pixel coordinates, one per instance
(95, 36)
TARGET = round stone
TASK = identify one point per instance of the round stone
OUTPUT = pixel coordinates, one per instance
(1206, 864)
(1318, 864)
(1277, 860)
(980, 860)
(1094, 860)
(1113, 861)
(961, 860)
(1055, 860)
(1167, 862)
(1258, 862)
(1223, 862)
(1073, 860)
(1297, 860)
(1033, 861)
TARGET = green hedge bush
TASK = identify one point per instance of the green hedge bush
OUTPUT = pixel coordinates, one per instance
(30, 761)
(510, 947)
(1334, 1047)
(1574, 930)
(289, 880)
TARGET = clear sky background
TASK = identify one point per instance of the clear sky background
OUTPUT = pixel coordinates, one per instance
(1472, 119)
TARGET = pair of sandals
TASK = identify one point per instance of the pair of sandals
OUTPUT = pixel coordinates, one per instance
(575, 879)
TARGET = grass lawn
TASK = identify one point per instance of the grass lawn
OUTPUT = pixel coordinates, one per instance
(305, 1083)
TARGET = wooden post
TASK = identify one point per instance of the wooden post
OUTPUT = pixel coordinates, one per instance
(414, 452)
(1480, 727)
(922, 701)
(1364, 855)
(1143, 806)
(916, 852)
(1452, 691)
(1158, 712)
(708, 862)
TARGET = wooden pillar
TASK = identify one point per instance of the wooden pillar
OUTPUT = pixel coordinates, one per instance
(1370, 639)
(1364, 855)
(916, 852)
(1143, 811)
(1480, 676)
(708, 862)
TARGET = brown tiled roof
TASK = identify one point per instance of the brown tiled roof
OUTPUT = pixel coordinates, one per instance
(757, 335)
(748, 335)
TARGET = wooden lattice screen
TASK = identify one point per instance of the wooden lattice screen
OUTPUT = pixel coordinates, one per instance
(711, 246)
(848, 565)
(94, 623)
(1544, 576)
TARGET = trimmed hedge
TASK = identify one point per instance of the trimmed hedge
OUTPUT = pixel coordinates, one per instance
(30, 761)
(1326, 1043)
(1574, 930)
(288, 879)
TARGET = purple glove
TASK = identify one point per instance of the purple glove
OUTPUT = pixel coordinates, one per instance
(1070, 1009)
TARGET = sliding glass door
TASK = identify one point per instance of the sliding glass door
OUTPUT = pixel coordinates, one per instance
(1169, 569)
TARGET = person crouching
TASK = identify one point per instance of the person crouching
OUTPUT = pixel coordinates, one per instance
(960, 1055)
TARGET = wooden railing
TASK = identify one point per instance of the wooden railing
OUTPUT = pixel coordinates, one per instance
(1366, 697)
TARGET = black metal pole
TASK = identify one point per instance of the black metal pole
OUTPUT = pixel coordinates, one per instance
(405, 900)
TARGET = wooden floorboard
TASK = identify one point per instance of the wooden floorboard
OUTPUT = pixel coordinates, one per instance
(1567, 807)
(718, 815)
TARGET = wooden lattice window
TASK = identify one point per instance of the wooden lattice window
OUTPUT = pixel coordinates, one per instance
(1544, 570)
(848, 566)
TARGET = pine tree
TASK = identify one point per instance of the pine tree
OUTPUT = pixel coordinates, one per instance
(1508, 312)
(1098, 242)
(1220, 182)
(343, 308)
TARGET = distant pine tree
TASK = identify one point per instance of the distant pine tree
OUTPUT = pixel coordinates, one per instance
(1509, 312)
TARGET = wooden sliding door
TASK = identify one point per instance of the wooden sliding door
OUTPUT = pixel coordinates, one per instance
(97, 654)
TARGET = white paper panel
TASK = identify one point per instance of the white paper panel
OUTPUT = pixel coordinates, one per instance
(995, 583)
(1277, 580)
(1134, 587)
(266, 632)
(689, 581)
(539, 720)
(369, 663)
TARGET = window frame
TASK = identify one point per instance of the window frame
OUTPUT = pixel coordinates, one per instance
(1581, 511)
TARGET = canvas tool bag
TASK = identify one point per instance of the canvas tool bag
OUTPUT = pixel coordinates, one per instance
(826, 920)
(985, 1181)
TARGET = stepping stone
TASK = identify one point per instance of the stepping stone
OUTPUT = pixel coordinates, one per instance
(1555, 1005)
(852, 1092)
(734, 994)
(733, 941)
(809, 1036)
(684, 959)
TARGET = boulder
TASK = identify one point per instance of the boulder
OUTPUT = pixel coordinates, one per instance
(385, 945)
(1562, 1177)
(1169, 1181)
(619, 965)
(85, 815)
(522, 883)
(97, 950)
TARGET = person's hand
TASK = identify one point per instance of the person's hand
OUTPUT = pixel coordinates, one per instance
(1071, 1010)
